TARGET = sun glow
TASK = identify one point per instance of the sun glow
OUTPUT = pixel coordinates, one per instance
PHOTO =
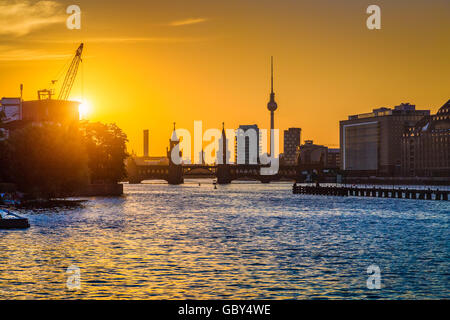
(84, 110)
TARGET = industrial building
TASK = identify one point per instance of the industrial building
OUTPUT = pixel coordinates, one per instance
(311, 153)
(426, 146)
(370, 143)
(18, 113)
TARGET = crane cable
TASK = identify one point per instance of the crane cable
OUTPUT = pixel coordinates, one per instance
(82, 80)
(60, 73)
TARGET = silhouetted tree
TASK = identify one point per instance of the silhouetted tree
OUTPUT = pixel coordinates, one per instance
(4, 163)
(2, 116)
(106, 150)
(48, 161)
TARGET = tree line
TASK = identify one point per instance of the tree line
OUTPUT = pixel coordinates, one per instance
(51, 160)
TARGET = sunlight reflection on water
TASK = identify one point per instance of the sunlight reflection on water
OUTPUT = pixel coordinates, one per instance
(239, 241)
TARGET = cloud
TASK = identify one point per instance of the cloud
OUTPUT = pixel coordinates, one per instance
(17, 50)
(136, 40)
(186, 22)
(21, 17)
(13, 54)
(106, 40)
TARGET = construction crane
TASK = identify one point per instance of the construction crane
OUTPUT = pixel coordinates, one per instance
(70, 75)
(68, 79)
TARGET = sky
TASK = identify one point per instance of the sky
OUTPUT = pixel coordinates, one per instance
(147, 64)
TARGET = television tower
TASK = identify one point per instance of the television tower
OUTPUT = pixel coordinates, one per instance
(272, 106)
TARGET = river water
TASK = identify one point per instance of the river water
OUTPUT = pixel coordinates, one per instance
(239, 241)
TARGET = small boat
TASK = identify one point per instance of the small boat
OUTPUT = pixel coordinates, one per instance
(13, 223)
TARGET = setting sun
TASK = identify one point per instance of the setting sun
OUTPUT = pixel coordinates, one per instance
(84, 109)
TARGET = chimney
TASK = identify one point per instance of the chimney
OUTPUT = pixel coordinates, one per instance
(145, 143)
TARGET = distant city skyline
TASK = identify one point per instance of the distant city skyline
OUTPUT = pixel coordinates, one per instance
(159, 62)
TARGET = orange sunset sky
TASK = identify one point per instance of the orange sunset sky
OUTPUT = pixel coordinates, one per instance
(148, 63)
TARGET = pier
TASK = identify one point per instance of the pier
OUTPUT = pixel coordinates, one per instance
(399, 193)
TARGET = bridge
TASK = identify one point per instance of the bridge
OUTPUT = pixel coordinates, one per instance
(224, 173)
(139, 169)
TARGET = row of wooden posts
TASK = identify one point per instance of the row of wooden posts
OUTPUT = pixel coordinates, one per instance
(401, 193)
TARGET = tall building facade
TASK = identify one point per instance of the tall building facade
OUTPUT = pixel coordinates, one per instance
(426, 146)
(292, 143)
(247, 144)
(370, 143)
(333, 158)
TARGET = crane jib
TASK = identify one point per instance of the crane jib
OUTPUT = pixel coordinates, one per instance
(71, 74)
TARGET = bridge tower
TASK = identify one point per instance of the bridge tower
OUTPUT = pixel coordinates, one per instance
(223, 169)
(175, 175)
(299, 169)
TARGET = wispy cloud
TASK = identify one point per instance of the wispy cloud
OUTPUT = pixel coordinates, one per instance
(187, 22)
(150, 39)
(106, 40)
(21, 17)
(18, 49)
(19, 54)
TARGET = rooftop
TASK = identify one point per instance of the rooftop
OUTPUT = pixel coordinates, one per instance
(439, 122)
(402, 109)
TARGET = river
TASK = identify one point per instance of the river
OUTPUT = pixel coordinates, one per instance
(239, 241)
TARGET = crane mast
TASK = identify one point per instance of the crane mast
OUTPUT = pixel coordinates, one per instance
(71, 74)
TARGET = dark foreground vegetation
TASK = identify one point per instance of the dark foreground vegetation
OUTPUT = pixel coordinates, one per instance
(49, 161)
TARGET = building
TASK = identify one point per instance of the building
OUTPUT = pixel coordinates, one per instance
(311, 153)
(247, 147)
(11, 108)
(50, 110)
(223, 155)
(316, 154)
(10, 113)
(370, 143)
(426, 146)
(333, 158)
(146, 144)
(19, 113)
(291, 145)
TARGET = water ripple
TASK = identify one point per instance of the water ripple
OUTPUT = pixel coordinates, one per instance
(241, 241)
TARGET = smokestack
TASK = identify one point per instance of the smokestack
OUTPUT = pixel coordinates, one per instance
(21, 99)
(145, 143)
